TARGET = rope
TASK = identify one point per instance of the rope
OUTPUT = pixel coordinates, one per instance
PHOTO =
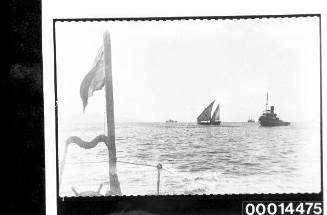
(102, 138)
(138, 164)
(81, 143)
(63, 163)
(171, 172)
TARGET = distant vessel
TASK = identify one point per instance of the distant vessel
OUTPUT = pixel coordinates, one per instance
(269, 117)
(171, 121)
(205, 117)
(251, 120)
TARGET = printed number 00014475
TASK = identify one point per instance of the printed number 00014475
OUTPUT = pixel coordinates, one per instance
(283, 208)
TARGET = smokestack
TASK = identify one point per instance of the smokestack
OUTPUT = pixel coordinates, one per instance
(272, 109)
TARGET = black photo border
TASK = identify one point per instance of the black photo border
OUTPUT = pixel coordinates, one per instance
(177, 204)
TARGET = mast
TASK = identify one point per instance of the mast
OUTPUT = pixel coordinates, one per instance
(267, 101)
(113, 177)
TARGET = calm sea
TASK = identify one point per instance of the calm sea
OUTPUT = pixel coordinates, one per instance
(231, 158)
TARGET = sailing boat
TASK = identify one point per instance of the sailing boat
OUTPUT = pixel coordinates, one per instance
(205, 117)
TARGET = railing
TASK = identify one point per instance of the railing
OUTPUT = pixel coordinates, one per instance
(102, 138)
(89, 145)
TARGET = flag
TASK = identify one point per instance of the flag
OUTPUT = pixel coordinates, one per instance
(94, 80)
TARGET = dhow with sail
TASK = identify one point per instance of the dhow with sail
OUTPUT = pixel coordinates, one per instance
(205, 117)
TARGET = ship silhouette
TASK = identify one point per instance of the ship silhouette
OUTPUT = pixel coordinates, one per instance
(269, 117)
(171, 121)
(205, 117)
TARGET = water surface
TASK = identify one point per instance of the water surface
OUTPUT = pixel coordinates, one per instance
(231, 158)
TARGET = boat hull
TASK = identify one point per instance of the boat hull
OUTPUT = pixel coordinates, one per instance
(271, 123)
(210, 123)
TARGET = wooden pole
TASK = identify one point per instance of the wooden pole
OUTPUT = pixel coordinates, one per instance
(159, 167)
(158, 182)
(113, 177)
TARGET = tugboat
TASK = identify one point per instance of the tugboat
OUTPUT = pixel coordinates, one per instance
(269, 117)
(205, 117)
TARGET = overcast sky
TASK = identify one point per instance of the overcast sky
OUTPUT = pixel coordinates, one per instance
(173, 69)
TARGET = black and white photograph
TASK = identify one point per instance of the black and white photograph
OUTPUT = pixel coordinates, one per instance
(188, 107)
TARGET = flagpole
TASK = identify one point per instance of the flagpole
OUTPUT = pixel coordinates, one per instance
(113, 177)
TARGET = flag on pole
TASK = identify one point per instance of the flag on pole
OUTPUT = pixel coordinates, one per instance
(94, 80)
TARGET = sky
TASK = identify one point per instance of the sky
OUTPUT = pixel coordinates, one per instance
(174, 69)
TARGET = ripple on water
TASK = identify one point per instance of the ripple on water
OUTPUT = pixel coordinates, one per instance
(246, 157)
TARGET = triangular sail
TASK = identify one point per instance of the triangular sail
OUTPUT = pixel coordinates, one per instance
(206, 114)
(216, 114)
